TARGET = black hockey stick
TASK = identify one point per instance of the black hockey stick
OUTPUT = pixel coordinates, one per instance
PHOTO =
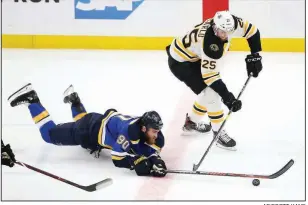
(93, 187)
(196, 166)
(225, 174)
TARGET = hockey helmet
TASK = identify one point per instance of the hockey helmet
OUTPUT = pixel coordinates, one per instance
(224, 21)
(152, 119)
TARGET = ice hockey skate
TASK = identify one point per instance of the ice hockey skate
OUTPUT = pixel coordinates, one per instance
(192, 128)
(224, 141)
(70, 96)
(25, 95)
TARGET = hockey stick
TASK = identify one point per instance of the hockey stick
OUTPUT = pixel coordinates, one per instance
(196, 166)
(93, 187)
(272, 176)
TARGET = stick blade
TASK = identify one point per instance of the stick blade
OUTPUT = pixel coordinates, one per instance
(99, 185)
(282, 170)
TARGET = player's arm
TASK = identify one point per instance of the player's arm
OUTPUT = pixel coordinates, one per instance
(252, 34)
(244, 28)
(123, 159)
(153, 154)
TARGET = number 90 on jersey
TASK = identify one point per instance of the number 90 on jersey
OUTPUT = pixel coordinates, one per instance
(122, 141)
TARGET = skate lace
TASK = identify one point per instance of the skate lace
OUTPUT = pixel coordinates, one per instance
(24, 101)
(21, 102)
(224, 136)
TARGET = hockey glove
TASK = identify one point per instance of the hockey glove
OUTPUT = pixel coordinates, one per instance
(142, 166)
(159, 168)
(254, 64)
(231, 102)
(7, 156)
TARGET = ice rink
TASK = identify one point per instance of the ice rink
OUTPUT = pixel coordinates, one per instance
(269, 130)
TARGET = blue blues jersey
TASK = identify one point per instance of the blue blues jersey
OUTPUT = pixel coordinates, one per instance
(122, 134)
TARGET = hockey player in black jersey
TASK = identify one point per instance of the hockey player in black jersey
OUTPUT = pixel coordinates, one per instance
(195, 60)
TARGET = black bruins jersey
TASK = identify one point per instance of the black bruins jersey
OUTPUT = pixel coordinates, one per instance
(201, 43)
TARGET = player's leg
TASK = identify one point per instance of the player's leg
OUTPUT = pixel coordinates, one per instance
(62, 134)
(212, 101)
(26, 95)
(190, 74)
(71, 97)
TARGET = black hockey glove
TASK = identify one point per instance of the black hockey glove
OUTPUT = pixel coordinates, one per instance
(253, 64)
(142, 166)
(159, 168)
(231, 102)
(7, 155)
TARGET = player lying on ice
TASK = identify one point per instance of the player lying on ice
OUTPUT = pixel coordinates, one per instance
(135, 141)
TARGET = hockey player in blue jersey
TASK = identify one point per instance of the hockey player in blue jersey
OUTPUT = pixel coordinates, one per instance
(135, 142)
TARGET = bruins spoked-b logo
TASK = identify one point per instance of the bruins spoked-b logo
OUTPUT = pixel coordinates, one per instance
(214, 47)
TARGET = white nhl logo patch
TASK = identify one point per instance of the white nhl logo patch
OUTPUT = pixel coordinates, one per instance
(214, 47)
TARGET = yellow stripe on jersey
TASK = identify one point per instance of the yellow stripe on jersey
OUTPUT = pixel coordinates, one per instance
(190, 53)
(245, 26)
(225, 48)
(41, 116)
(100, 133)
(79, 116)
(211, 80)
(113, 157)
(135, 141)
(181, 54)
(208, 75)
(154, 146)
(247, 30)
(252, 31)
(107, 146)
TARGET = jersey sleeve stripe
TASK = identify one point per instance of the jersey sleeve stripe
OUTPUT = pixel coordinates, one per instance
(245, 26)
(120, 154)
(249, 27)
(101, 134)
(135, 141)
(180, 54)
(180, 49)
(252, 31)
(190, 53)
(116, 157)
(154, 146)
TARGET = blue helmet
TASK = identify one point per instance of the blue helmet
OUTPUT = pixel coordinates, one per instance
(152, 119)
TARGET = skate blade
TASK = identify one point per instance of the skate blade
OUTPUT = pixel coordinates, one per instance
(68, 90)
(193, 133)
(21, 91)
(226, 148)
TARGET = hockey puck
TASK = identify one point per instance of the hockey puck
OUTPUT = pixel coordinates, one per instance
(256, 182)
